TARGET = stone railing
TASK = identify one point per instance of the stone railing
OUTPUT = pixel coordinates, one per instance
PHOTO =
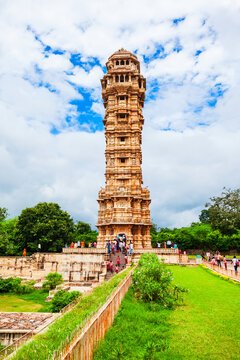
(157, 251)
(83, 343)
(235, 275)
(90, 250)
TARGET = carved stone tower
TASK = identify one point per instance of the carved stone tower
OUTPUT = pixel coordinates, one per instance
(124, 203)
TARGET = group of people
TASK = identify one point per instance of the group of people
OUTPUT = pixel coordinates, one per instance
(167, 245)
(119, 244)
(218, 259)
(80, 244)
(117, 267)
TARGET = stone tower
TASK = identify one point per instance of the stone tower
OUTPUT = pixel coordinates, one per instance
(123, 202)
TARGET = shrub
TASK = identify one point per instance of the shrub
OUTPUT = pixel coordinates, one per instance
(9, 284)
(14, 285)
(62, 298)
(152, 281)
(52, 280)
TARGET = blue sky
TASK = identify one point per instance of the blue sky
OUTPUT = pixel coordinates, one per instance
(53, 56)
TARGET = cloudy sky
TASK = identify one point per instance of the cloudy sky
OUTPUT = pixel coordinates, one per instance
(52, 56)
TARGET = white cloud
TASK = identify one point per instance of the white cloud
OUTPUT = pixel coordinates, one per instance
(182, 168)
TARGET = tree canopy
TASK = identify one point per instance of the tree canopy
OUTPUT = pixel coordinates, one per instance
(3, 213)
(46, 224)
(223, 212)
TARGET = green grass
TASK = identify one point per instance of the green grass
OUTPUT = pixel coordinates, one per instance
(33, 302)
(139, 331)
(206, 327)
(43, 346)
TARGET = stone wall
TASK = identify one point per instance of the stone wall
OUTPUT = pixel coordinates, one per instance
(85, 340)
(77, 267)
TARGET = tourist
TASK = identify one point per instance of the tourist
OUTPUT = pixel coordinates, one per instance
(126, 259)
(116, 269)
(225, 262)
(213, 261)
(78, 244)
(118, 260)
(235, 263)
(169, 243)
(158, 244)
(113, 248)
(108, 246)
(72, 245)
(130, 248)
(111, 266)
(120, 246)
(208, 254)
(24, 252)
(218, 258)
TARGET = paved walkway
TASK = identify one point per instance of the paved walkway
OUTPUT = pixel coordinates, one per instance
(230, 272)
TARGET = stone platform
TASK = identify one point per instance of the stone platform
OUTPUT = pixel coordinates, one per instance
(87, 265)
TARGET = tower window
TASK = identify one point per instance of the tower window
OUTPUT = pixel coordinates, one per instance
(122, 160)
(117, 62)
(117, 78)
(122, 116)
(122, 62)
(122, 97)
(127, 78)
(122, 139)
(121, 78)
(127, 62)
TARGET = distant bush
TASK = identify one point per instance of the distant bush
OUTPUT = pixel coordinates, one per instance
(14, 285)
(152, 281)
(24, 289)
(52, 280)
(9, 284)
(62, 298)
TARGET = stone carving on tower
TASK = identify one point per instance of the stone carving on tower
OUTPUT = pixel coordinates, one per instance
(124, 202)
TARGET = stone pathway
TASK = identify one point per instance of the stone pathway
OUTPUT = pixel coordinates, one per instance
(113, 258)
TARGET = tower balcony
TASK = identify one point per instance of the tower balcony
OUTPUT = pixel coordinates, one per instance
(123, 220)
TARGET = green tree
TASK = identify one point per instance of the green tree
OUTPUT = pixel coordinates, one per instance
(204, 216)
(8, 240)
(62, 298)
(3, 213)
(154, 234)
(52, 280)
(82, 228)
(46, 224)
(83, 232)
(224, 211)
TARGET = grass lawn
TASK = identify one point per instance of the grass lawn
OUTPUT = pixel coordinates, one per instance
(206, 327)
(33, 302)
(43, 345)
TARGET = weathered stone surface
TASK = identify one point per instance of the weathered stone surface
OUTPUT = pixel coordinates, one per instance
(123, 202)
(23, 321)
(82, 266)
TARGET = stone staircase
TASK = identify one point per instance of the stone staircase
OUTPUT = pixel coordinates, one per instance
(113, 258)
